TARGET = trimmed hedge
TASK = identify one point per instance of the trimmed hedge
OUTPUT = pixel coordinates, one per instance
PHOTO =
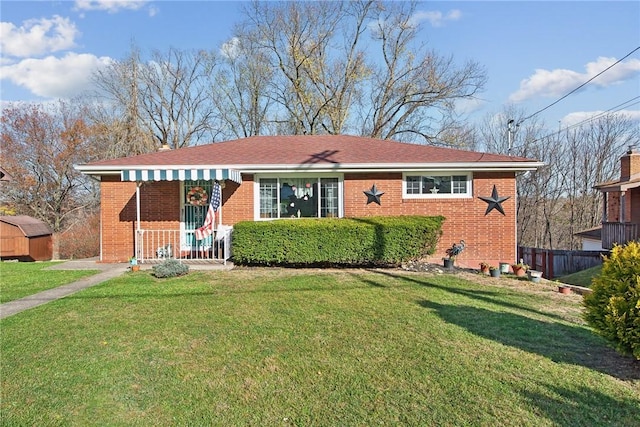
(613, 308)
(344, 241)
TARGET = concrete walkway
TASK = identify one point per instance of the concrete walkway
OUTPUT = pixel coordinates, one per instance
(107, 271)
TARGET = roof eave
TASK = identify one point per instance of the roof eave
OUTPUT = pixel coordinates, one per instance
(355, 167)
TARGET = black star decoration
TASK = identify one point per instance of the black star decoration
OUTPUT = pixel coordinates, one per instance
(373, 195)
(494, 201)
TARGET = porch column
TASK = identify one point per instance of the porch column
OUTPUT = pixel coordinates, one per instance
(137, 236)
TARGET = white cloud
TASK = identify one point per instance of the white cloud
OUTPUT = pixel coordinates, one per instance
(37, 37)
(230, 49)
(111, 6)
(436, 18)
(559, 82)
(580, 116)
(469, 105)
(53, 77)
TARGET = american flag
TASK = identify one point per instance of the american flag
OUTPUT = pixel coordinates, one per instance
(209, 221)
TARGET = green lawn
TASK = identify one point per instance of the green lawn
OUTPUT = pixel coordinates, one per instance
(20, 279)
(582, 278)
(272, 347)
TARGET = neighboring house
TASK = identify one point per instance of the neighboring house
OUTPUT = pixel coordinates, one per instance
(591, 239)
(621, 223)
(146, 211)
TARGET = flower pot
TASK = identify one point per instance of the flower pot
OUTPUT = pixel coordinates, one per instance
(564, 290)
(495, 272)
(484, 269)
(135, 267)
(519, 271)
(504, 267)
(448, 263)
(534, 275)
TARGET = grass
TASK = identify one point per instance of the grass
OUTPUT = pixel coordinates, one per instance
(20, 279)
(582, 278)
(311, 347)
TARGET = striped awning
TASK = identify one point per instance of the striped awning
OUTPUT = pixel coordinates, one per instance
(181, 174)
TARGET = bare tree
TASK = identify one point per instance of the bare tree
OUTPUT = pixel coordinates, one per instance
(558, 200)
(166, 97)
(40, 144)
(118, 117)
(593, 157)
(175, 99)
(414, 89)
(314, 47)
(240, 88)
(328, 79)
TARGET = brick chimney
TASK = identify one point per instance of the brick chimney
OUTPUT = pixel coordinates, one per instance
(629, 164)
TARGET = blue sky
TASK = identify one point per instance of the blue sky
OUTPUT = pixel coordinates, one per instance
(534, 52)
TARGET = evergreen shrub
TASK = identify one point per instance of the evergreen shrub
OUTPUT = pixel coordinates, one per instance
(344, 241)
(613, 308)
(170, 268)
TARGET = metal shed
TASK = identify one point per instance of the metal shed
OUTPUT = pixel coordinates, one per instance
(25, 238)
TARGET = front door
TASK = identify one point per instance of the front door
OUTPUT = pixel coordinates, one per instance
(195, 203)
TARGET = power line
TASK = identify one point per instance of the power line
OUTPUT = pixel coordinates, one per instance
(582, 85)
(625, 104)
(618, 107)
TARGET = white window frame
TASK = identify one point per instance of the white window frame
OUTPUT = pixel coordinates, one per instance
(466, 195)
(282, 178)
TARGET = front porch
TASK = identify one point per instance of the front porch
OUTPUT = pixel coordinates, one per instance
(619, 233)
(154, 246)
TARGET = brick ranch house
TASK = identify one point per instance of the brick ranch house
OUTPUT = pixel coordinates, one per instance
(145, 211)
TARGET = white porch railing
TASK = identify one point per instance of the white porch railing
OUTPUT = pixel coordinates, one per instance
(158, 245)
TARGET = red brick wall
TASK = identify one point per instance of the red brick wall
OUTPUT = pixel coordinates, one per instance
(613, 207)
(490, 238)
(237, 201)
(159, 210)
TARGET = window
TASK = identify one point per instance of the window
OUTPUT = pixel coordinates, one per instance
(437, 185)
(299, 197)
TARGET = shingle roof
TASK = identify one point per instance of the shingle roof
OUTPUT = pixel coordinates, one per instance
(30, 227)
(591, 233)
(312, 151)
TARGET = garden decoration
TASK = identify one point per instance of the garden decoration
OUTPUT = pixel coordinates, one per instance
(373, 195)
(453, 252)
(197, 196)
(494, 202)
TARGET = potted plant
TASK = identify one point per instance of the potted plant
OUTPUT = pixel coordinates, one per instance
(484, 268)
(448, 262)
(133, 262)
(534, 275)
(520, 269)
(563, 289)
(494, 271)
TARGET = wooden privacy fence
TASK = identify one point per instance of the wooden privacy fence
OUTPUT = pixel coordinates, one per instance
(556, 263)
